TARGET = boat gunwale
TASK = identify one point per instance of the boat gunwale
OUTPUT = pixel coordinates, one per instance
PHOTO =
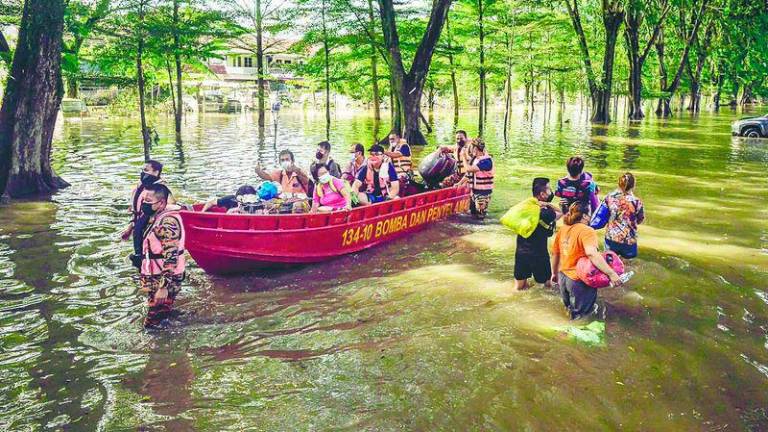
(459, 195)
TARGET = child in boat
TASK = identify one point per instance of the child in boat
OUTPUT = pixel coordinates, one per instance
(577, 186)
(331, 193)
(531, 254)
(479, 176)
(626, 212)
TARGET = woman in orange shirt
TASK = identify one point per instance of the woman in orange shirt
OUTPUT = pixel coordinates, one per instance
(576, 240)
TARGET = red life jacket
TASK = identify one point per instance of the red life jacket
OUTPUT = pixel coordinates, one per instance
(482, 180)
(384, 180)
(154, 260)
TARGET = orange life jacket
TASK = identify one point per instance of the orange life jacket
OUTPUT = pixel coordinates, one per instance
(289, 183)
(384, 180)
(481, 180)
(154, 261)
(403, 164)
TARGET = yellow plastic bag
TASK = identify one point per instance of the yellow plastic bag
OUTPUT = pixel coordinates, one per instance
(523, 217)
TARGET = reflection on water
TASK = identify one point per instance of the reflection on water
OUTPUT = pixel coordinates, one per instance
(423, 333)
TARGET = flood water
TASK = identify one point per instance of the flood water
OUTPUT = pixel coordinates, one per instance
(425, 333)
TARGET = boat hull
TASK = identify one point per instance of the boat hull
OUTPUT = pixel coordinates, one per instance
(230, 243)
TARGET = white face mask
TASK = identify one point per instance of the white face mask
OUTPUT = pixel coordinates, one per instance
(325, 178)
(285, 164)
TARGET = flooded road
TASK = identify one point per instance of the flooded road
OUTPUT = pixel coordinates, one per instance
(426, 333)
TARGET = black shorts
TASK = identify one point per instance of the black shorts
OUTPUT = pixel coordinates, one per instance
(531, 265)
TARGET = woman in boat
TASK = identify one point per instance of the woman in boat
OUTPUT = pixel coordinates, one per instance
(574, 241)
(459, 152)
(400, 154)
(378, 177)
(479, 176)
(331, 193)
(626, 212)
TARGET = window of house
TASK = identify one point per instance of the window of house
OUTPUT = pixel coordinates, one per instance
(239, 61)
(249, 62)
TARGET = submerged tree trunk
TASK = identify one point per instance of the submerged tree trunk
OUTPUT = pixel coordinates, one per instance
(260, 62)
(481, 70)
(409, 85)
(177, 59)
(374, 67)
(702, 50)
(613, 16)
(633, 22)
(140, 84)
(31, 103)
(326, 52)
(454, 85)
(664, 102)
(662, 109)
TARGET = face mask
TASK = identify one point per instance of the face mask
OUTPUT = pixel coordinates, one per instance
(325, 178)
(147, 210)
(148, 179)
(286, 165)
(319, 155)
(550, 197)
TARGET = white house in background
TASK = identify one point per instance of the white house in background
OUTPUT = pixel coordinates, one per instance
(238, 62)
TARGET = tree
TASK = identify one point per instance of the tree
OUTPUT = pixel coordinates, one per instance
(600, 89)
(670, 88)
(31, 102)
(408, 86)
(637, 11)
(80, 18)
(265, 18)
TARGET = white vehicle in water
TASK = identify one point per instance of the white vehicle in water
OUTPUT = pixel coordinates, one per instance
(754, 127)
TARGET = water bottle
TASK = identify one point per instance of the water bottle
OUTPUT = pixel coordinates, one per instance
(625, 277)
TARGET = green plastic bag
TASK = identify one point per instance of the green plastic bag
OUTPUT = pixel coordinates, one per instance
(592, 334)
(523, 217)
(355, 199)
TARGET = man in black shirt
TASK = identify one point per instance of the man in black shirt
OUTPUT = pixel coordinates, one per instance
(532, 255)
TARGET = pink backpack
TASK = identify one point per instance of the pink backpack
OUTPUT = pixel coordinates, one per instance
(590, 275)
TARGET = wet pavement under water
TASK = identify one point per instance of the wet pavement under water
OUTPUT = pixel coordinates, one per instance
(425, 333)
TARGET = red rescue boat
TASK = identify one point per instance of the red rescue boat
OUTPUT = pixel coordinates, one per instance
(233, 243)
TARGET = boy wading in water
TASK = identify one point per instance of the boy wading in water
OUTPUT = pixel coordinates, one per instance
(531, 255)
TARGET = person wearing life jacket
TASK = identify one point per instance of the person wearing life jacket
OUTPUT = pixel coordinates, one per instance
(331, 193)
(163, 263)
(459, 152)
(293, 180)
(479, 176)
(378, 177)
(149, 176)
(400, 154)
(577, 186)
(575, 240)
(355, 164)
